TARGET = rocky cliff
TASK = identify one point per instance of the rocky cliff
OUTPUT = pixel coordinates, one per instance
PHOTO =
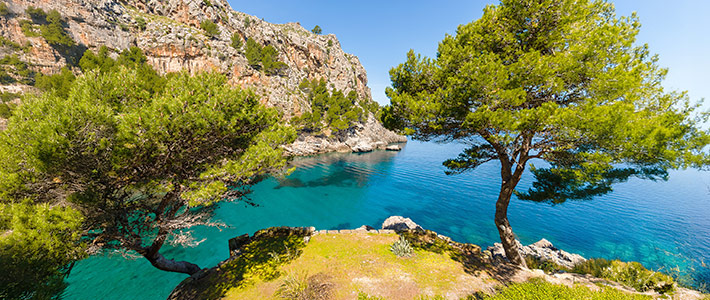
(170, 34)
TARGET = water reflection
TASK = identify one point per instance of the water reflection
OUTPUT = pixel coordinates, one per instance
(337, 169)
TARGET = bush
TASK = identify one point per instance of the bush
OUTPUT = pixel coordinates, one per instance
(263, 58)
(28, 28)
(53, 31)
(236, 41)
(140, 23)
(363, 296)
(59, 83)
(632, 274)
(543, 290)
(317, 30)
(402, 248)
(37, 14)
(210, 28)
(337, 111)
(4, 11)
(316, 287)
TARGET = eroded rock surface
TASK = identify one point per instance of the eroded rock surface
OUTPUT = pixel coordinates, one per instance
(173, 41)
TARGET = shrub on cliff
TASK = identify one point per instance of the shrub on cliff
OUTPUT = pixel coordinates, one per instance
(331, 108)
(263, 58)
(210, 28)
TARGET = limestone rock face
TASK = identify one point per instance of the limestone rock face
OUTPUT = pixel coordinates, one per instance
(544, 250)
(173, 41)
(398, 223)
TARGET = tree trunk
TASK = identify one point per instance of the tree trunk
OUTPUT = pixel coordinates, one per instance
(162, 263)
(507, 237)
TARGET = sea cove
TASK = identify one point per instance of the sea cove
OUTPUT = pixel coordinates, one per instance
(664, 225)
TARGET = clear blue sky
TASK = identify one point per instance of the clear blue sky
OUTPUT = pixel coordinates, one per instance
(381, 32)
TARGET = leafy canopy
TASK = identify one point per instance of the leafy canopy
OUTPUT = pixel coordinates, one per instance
(264, 58)
(130, 167)
(558, 80)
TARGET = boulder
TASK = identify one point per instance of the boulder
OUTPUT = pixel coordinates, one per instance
(398, 223)
(543, 250)
(393, 148)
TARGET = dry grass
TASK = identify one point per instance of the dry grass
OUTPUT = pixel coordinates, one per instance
(347, 264)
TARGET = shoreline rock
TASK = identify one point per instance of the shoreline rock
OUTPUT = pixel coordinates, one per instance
(543, 250)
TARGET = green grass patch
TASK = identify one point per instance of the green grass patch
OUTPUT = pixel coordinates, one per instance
(543, 290)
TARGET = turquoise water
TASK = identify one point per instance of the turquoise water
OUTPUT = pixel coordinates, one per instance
(661, 224)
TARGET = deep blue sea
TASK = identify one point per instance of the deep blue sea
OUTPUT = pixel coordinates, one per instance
(664, 224)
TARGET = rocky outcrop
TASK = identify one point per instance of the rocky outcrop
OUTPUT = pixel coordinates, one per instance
(172, 39)
(543, 250)
(398, 223)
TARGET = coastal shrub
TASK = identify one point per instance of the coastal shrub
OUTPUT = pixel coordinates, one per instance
(247, 22)
(593, 266)
(330, 108)
(59, 83)
(293, 287)
(210, 28)
(364, 296)
(302, 287)
(636, 276)
(13, 65)
(263, 58)
(545, 265)
(28, 28)
(4, 11)
(5, 110)
(140, 23)
(53, 32)
(317, 30)
(37, 14)
(542, 290)
(402, 248)
(236, 41)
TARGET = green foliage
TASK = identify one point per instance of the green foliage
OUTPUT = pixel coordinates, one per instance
(560, 81)
(13, 65)
(37, 14)
(545, 265)
(51, 27)
(636, 276)
(237, 41)
(247, 22)
(28, 28)
(5, 42)
(207, 3)
(59, 83)
(4, 11)
(5, 106)
(402, 248)
(210, 28)
(593, 266)
(38, 244)
(302, 287)
(140, 22)
(330, 43)
(332, 109)
(527, 89)
(543, 290)
(364, 296)
(140, 164)
(632, 274)
(260, 259)
(317, 30)
(263, 58)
